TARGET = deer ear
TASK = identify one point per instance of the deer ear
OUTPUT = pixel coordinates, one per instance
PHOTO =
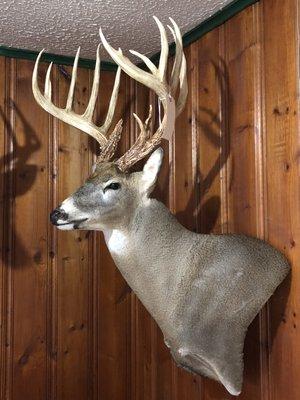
(150, 170)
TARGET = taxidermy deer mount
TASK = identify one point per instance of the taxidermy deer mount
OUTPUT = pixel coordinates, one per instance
(202, 290)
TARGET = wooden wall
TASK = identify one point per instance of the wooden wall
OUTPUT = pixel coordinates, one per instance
(71, 329)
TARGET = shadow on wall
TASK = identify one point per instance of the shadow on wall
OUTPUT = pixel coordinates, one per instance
(216, 133)
(14, 165)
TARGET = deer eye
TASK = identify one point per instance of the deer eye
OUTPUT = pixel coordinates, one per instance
(112, 186)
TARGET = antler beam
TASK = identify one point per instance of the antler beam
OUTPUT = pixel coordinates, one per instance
(155, 80)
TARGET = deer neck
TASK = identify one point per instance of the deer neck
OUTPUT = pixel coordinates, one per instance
(149, 253)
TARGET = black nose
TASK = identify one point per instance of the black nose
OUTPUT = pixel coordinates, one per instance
(57, 214)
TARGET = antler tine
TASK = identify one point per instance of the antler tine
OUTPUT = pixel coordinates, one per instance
(143, 145)
(178, 56)
(163, 59)
(48, 86)
(178, 74)
(88, 114)
(183, 84)
(146, 60)
(73, 81)
(147, 79)
(84, 121)
(113, 101)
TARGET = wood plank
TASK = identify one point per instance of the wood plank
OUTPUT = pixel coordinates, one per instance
(29, 265)
(145, 363)
(72, 253)
(70, 325)
(212, 150)
(3, 201)
(114, 302)
(281, 48)
(185, 193)
(53, 270)
(242, 45)
(10, 75)
(212, 154)
(164, 374)
(94, 279)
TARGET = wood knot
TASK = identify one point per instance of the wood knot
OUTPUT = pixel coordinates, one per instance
(24, 359)
(37, 258)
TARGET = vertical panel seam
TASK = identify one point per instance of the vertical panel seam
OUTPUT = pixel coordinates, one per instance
(5, 219)
(54, 293)
(9, 228)
(153, 326)
(93, 316)
(195, 84)
(3, 246)
(133, 312)
(224, 118)
(260, 183)
(195, 132)
(172, 206)
(49, 260)
(94, 284)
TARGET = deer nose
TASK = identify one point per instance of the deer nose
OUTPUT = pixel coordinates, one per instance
(57, 214)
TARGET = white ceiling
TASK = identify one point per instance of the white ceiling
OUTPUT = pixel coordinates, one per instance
(60, 26)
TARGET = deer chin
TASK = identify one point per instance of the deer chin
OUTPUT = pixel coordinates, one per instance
(75, 224)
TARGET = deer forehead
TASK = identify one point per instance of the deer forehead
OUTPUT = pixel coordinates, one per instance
(104, 172)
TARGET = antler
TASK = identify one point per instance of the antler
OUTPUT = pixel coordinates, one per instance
(156, 80)
(83, 122)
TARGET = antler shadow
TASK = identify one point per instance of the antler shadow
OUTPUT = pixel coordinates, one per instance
(15, 164)
(208, 211)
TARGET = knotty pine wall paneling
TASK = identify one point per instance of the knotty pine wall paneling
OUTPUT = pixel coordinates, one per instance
(71, 328)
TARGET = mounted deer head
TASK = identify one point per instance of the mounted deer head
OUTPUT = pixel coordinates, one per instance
(202, 290)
